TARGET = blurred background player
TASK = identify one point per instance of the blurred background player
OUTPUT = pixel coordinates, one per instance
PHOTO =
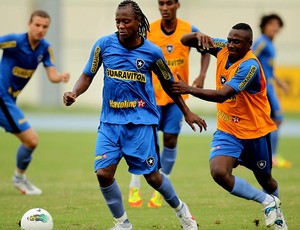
(22, 53)
(243, 119)
(166, 33)
(129, 115)
(264, 49)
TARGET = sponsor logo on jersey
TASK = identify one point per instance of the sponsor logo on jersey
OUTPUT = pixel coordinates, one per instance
(9, 44)
(232, 98)
(261, 164)
(163, 69)
(226, 117)
(122, 104)
(50, 50)
(169, 48)
(141, 103)
(216, 147)
(219, 44)
(247, 79)
(175, 62)
(150, 161)
(126, 75)
(96, 59)
(23, 73)
(101, 156)
(127, 104)
(12, 92)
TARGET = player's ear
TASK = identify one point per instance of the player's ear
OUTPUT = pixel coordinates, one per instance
(139, 20)
(178, 4)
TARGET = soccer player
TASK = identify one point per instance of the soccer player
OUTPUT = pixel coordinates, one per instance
(243, 118)
(264, 49)
(166, 33)
(22, 53)
(129, 115)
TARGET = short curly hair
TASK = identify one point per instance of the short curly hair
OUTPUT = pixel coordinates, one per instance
(267, 18)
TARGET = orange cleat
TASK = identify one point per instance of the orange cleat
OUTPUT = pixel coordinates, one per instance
(156, 200)
(134, 199)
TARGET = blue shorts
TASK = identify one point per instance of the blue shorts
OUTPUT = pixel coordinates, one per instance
(255, 154)
(170, 120)
(12, 119)
(138, 144)
(276, 112)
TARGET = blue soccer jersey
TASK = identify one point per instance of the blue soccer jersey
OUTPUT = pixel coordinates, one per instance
(264, 49)
(128, 94)
(19, 61)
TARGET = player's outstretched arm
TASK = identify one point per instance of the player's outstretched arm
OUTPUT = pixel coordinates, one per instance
(197, 40)
(219, 96)
(81, 85)
(191, 118)
(55, 76)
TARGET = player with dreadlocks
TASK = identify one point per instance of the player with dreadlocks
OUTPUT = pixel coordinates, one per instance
(129, 115)
(144, 25)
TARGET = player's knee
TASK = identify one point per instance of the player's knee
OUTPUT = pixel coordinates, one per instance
(105, 178)
(29, 138)
(219, 174)
(31, 142)
(153, 179)
(170, 140)
(268, 183)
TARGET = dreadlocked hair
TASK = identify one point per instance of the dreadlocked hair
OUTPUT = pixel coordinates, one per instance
(144, 25)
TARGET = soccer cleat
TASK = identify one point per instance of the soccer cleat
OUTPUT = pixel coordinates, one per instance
(122, 223)
(134, 199)
(25, 186)
(188, 222)
(123, 226)
(280, 223)
(280, 162)
(270, 211)
(156, 200)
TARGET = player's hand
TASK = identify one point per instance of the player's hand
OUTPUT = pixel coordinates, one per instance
(199, 81)
(193, 119)
(69, 98)
(205, 42)
(179, 87)
(65, 77)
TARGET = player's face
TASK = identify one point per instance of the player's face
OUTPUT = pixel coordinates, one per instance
(239, 43)
(127, 23)
(168, 9)
(272, 28)
(38, 28)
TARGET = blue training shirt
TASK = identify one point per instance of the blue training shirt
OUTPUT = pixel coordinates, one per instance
(128, 94)
(19, 61)
(264, 49)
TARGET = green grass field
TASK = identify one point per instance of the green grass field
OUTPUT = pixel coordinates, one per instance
(63, 168)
